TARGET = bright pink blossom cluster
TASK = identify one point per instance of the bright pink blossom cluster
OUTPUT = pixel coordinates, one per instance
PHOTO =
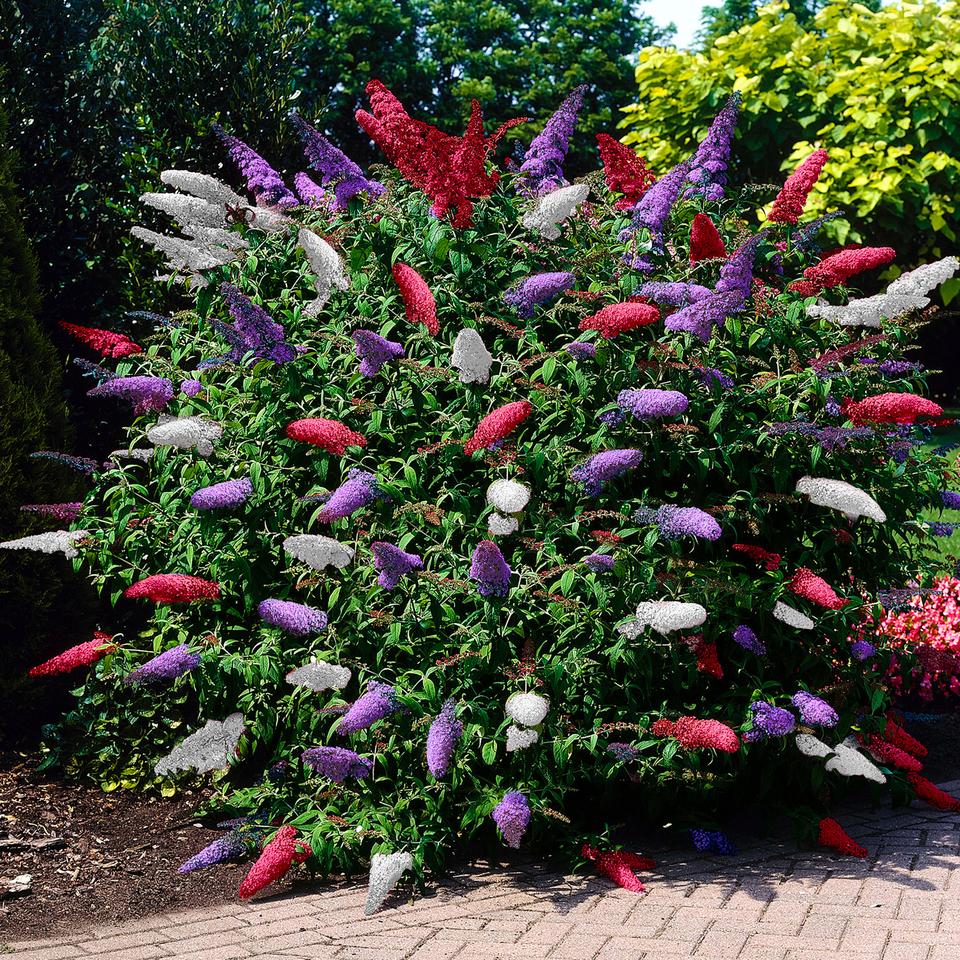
(105, 342)
(792, 197)
(417, 298)
(173, 588)
(624, 171)
(617, 318)
(695, 734)
(330, 435)
(277, 857)
(805, 583)
(890, 408)
(82, 655)
(498, 425)
(834, 837)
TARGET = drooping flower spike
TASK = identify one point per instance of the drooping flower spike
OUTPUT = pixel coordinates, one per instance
(498, 425)
(277, 857)
(554, 208)
(379, 701)
(624, 171)
(418, 301)
(374, 351)
(223, 850)
(61, 512)
(619, 866)
(792, 198)
(357, 491)
(262, 180)
(223, 496)
(337, 763)
(840, 267)
(212, 747)
(297, 619)
(392, 563)
(82, 655)
(805, 583)
(537, 290)
(695, 734)
(168, 665)
(512, 816)
(832, 836)
(603, 467)
(145, 394)
(442, 739)
(490, 570)
(173, 588)
(903, 408)
(105, 342)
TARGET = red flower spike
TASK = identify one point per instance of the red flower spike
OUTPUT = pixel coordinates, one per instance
(792, 197)
(617, 318)
(624, 171)
(705, 240)
(899, 737)
(764, 558)
(498, 425)
(417, 298)
(706, 654)
(834, 837)
(694, 734)
(330, 435)
(889, 408)
(839, 267)
(891, 756)
(619, 866)
(105, 342)
(82, 655)
(930, 793)
(276, 858)
(451, 171)
(805, 583)
(173, 588)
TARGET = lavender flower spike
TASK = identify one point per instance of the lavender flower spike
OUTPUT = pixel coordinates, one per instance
(535, 290)
(542, 166)
(373, 351)
(262, 180)
(168, 665)
(378, 702)
(223, 496)
(145, 393)
(512, 816)
(311, 193)
(490, 570)
(653, 210)
(708, 172)
(359, 489)
(393, 563)
(223, 849)
(604, 466)
(673, 293)
(257, 330)
(770, 721)
(445, 733)
(814, 711)
(295, 618)
(336, 763)
(646, 404)
(744, 637)
(675, 522)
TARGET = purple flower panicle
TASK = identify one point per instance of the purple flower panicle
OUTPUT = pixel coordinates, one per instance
(537, 290)
(262, 180)
(255, 328)
(147, 394)
(490, 570)
(442, 739)
(512, 816)
(62, 512)
(223, 849)
(336, 763)
(708, 172)
(814, 711)
(603, 467)
(951, 499)
(223, 496)
(373, 351)
(581, 350)
(675, 522)
(599, 562)
(378, 702)
(542, 166)
(295, 618)
(646, 404)
(168, 665)
(393, 563)
(770, 721)
(744, 637)
(190, 388)
(359, 489)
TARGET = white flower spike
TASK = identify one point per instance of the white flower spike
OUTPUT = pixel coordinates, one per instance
(386, 869)
(553, 208)
(212, 747)
(327, 267)
(851, 501)
(318, 552)
(318, 676)
(54, 541)
(508, 496)
(185, 433)
(527, 709)
(792, 617)
(666, 616)
(471, 357)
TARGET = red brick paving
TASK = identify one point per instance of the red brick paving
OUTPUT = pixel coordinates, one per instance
(770, 902)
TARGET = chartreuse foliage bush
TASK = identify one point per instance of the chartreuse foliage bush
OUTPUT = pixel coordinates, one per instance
(879, 90)
(573, 550)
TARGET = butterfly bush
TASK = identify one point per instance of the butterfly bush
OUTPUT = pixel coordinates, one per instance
(421, 421)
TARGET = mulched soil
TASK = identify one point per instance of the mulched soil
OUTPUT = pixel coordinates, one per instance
(117, 860)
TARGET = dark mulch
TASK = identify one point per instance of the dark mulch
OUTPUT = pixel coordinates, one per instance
(118, 859)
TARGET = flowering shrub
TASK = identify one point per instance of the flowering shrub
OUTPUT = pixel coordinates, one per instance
(438, 556)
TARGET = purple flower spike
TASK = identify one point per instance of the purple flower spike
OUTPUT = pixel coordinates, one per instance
(950, 499)
(223, 849)
(603, 467)
(223, 496)
(673, 294)
(311, 193)
(490, 570)
(336, 169)
(378, 702)
(295, 618)
(581, 349)
(255, 328)
(337, 763)
(512, 816)
(147, 394)
(61, 512)
(537, 290)
(736, 275)
(701, 317)
(542, 166)
(80, 464)
(393, 563)
(599, 562)
(445, 733)
(646, 404)
(863, 650)
(359, 489)
(712, 841)
(190, 388)
(373, 351)
(770, 721)
(168, 665)
(711, 377)
(813, 711)
(653, 210)
(262, 180)
(744, 637)
(677, 522)
(708, 173)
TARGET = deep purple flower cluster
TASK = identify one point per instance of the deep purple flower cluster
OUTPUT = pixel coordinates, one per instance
(542, 167)
(940, 529)
(336, 169)
(295, 618)
(536, 290)
(373, 351)
(223, 849)
(80, 464)
(712, 841)
(257, 331)
(612, 418)
(359, 489)
(862, 650)
(101, 374)
(337, 763)
(311, 193)
(190, 388)
(674, 522)
(711, 377)
(603, 467)
(393, 563)
(829, 437)
(951, 499)
(61, 512)
(648, 403)
(805, 239)
(708, 172)
(491, 571)
(898, 368)
(223, 496)
(668, 293)
(744, 637)
(442, 739)
(147, 394)
(512, 816)
(262, 180)
(652, 212)
(378, 702)
(581, 350)
(624, 752)
(770, 721)
(599, 562)
(813, 711)
(701, 317)
(736, 275)
(168, 665)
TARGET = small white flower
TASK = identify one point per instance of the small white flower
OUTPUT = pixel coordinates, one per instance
(850, 762)
(810, 746)
(203, 186)
(386, 869)
(212, 747)
(553, 208)
(520, 739)
(500, 526)
(185, 433)
(319, 675)
(54, 541)
(527, 709)
(327, 267)
(792, 617)
(665, 616)
(471, 357)
(317, 551)
(840, 495)
(508, 496)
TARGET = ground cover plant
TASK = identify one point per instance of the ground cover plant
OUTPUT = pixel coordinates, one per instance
(456, 500)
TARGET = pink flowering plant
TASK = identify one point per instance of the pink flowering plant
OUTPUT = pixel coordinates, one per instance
(490, 578)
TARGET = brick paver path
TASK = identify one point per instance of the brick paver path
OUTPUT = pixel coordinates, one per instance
(770, 902)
